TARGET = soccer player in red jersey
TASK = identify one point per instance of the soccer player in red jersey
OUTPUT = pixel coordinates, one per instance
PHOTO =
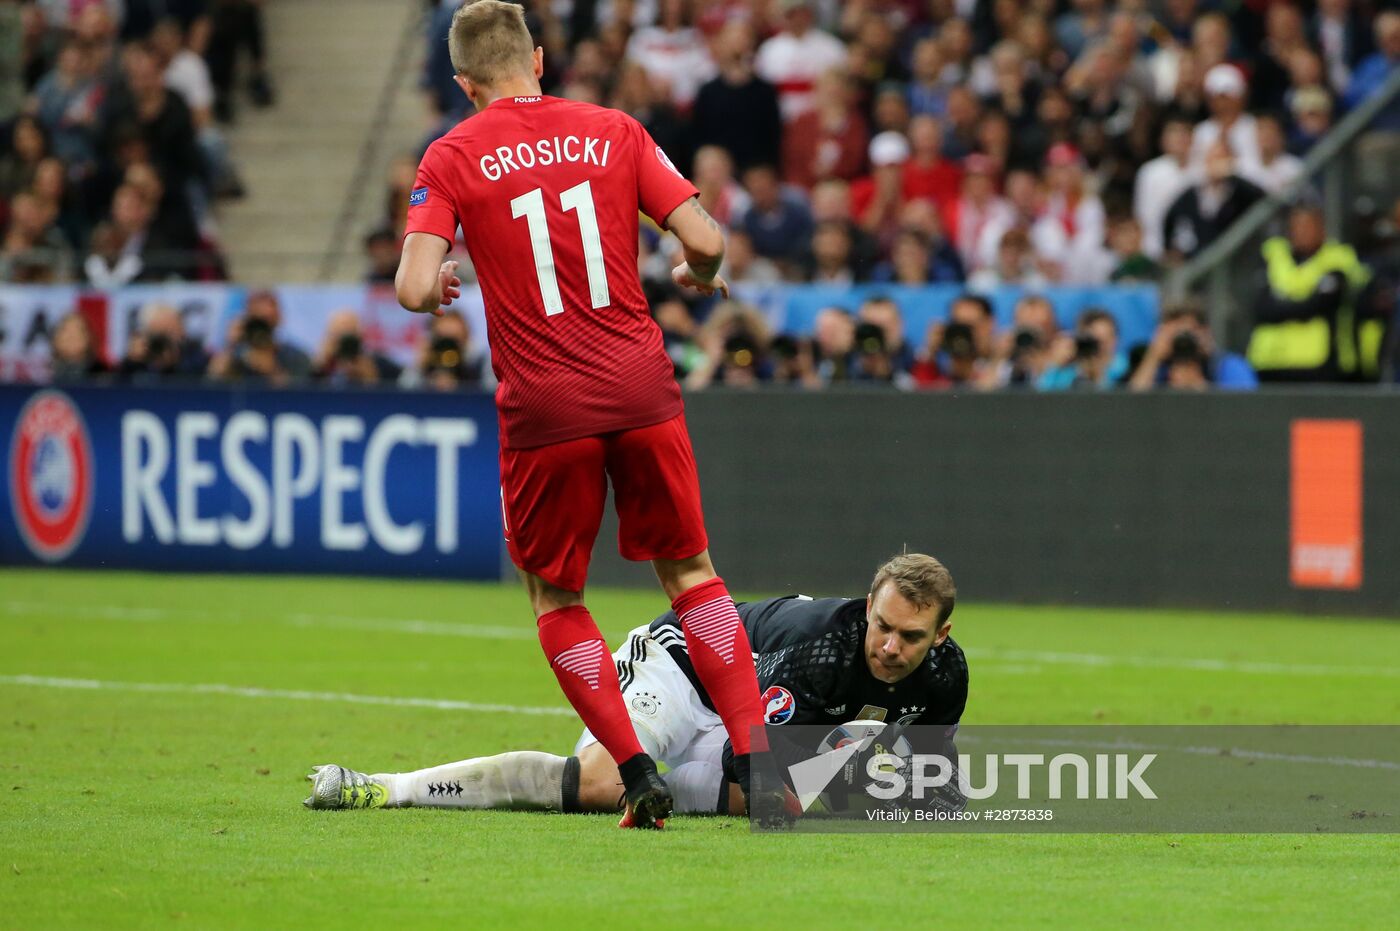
(547, 193)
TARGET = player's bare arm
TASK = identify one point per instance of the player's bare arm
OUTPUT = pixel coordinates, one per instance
(702, 239)
(425, 283)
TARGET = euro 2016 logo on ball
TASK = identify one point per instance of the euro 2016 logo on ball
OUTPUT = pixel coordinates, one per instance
(51, 475)
(778, 705)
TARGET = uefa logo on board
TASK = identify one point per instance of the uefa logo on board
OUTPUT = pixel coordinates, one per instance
(51, 475)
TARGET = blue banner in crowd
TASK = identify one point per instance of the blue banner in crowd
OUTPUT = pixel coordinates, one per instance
(794, 308)
(264, 481)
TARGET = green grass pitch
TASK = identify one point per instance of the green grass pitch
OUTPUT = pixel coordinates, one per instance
(157, 729)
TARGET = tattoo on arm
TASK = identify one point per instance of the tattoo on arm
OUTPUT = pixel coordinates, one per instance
(707, 269)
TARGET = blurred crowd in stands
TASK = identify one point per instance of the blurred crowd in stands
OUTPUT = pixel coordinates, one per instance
(113, 156)
(983, 142)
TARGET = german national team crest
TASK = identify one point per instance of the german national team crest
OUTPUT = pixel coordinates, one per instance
(778, 705)
(51, 475)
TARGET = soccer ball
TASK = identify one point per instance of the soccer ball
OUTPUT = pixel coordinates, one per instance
(851, 780)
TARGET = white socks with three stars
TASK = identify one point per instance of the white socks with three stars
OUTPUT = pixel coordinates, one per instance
(522, 779)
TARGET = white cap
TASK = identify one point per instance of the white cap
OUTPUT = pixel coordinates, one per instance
(889, 148)
(1226, 80)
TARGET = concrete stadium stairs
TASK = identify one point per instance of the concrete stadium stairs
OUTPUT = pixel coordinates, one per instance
(346, 75)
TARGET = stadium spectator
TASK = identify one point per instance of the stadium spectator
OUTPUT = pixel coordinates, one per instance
(1089, 358)
(720, 194)
(922, 217)
(132, 224)
(672, 53)
(876, 199)
(794, 363)
(1373, 71)
(829, 140)
(742, 263)
(344, 360)
(74, 359)
(1126, 257)
(737, 110)
(1071, 229)
(254, 354)
(958, 352)
(1182, 355)
(1015, 264)
(928, 90)
(1021, 355)
(831, 203)
(33, 248)
(108, 264)
(28, 146)
(1160, 181)
(1277, 169)
(160, 351)
(1341, 38)
(187, 74)
(793, 59)
(834, 342)
(68, 101)
(1226, 92)
(1311, 108)
(881, 311)
(777, 220)
(447, 360)
(927, 174)
(832, 258)
(1207, 208)
(236, 29)
(381, 256)
(978, 210)
(1307, 321)
(734, 345)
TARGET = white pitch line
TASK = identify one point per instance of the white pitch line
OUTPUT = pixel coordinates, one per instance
(1019, 661)
(216, 688)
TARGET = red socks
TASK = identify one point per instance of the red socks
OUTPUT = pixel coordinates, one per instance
(585, 670)
(719, 650)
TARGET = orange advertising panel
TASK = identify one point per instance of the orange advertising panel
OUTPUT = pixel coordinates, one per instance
(1326, 489)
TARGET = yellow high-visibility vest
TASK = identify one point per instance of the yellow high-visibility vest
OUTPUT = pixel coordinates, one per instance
(1306, 344)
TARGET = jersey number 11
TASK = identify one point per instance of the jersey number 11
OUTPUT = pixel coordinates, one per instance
(579, 199)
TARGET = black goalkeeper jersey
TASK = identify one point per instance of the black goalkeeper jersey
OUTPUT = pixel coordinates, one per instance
(810, 657)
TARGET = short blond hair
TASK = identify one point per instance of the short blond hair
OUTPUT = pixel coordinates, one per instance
(921, 579)
(489, 42)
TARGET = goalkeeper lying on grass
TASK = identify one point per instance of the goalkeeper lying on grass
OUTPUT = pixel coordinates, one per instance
(885, 657)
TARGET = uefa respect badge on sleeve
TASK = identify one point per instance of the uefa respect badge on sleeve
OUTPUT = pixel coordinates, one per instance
(871, 776)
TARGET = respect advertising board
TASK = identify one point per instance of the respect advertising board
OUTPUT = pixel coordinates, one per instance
(210, 479)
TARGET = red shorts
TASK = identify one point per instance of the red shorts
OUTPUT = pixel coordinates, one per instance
(552, 500)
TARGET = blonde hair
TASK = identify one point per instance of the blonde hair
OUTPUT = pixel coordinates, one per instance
(489, 41)
(921, 579)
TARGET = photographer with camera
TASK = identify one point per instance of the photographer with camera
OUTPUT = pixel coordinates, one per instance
(1182, 355)
(1088, 359)
(734, 341)
(794, 362)
(958, 353)
(253, 353)
(343, 359)
(1023, 353)
(446, 361)
(159, 351)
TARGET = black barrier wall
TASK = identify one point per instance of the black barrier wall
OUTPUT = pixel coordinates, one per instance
(1078, 499)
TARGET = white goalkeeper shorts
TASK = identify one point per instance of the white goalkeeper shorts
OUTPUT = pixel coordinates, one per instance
(671, 722)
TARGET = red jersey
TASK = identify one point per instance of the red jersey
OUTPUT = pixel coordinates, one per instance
(547, 192)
